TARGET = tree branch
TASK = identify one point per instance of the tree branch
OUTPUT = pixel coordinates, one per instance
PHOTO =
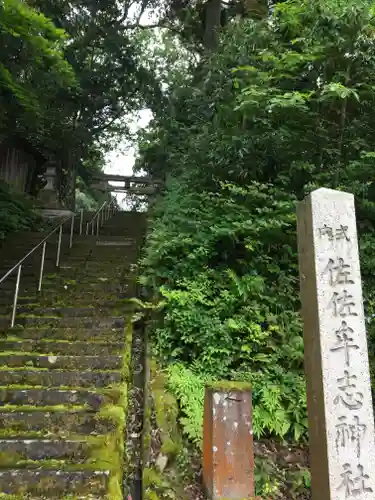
(143, 26)
(127, 6)
(142, 11)
(102, 128)
(151, 26)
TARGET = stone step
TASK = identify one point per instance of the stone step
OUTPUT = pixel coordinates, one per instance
(32, 263)
(56, 397)
(14, 253)
(73, 312)
(66, 334)
(61, 287)
(29, 277)
(28, 361)
(92, 276)
(102, 286)
(84, 270)
(106, 302)
(107, 251)
(101, 291)
(108, 295)
(55, 484)
(106, 246)
(14, 256)
(63, 322)
(72, 295)
(102, 257)
(105, 243)
(54, 423)
(57, 378)
(18, 250)
(67, 348)
(27, 286)
(90, 280)
(10, 281)
(16, 451)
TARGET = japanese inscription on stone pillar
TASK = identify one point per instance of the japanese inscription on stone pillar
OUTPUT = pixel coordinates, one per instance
(341, 424)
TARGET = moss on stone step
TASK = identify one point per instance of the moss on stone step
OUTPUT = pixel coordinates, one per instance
(48, 408)
(11, 360)
(42, 347)
(67, 334)
(37, 423)
(116, 320)
(53, 483)
(91, 397)
(59, 378)
(77, 311)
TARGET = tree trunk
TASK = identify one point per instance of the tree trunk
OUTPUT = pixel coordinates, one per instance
(212, 24)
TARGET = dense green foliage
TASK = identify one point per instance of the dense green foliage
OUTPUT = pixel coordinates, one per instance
(16, 213)
(280, 108)
(32, 66)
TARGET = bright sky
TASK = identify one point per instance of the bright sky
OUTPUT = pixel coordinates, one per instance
(121, 161)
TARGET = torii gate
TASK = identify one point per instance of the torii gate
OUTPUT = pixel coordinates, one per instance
(129, 184)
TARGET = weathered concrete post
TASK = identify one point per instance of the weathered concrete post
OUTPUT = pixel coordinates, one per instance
(341, 423)
(228, 456)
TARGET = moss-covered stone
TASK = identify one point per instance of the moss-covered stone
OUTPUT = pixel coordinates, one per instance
(227, 386)
(166, 413)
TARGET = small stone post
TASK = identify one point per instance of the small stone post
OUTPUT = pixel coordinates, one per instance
(341, 422)
(228, 457)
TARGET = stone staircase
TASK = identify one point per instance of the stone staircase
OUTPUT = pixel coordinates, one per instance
(64, 368)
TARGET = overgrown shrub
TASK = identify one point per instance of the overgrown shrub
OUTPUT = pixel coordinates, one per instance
(16, 213)
(227, 269)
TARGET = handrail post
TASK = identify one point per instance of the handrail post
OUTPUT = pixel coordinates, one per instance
(42, 266)
(97, 225)
(16, 295)
(81, 223)
(87, 228)
(71, 232)
(59, 247)
(92, 228)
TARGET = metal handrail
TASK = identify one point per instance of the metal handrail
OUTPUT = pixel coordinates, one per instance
(103, 214)
(32, 251)
(18, 267)
(100, 215)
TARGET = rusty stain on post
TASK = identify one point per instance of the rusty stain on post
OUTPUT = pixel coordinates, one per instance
(228, 454)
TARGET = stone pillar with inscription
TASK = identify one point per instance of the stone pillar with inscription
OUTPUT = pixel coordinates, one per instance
(341, 422)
